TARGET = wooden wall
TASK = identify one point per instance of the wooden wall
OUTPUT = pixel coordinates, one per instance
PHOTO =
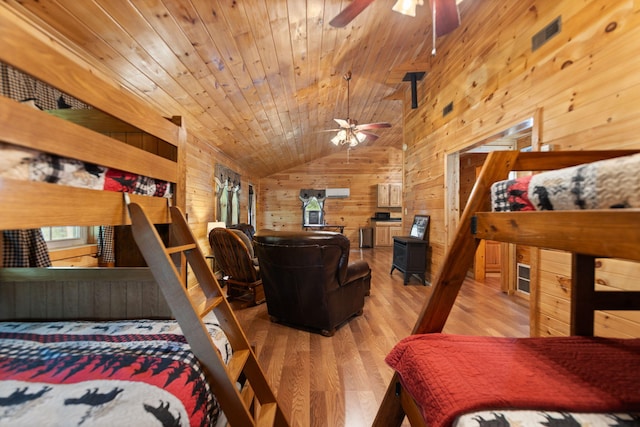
(361, 169)
(201, 159)
(553, 296)
(585, 81)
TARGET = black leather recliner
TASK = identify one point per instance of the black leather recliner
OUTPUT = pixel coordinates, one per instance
(308, 281)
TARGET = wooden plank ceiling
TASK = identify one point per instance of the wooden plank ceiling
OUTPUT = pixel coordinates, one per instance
(259, 79)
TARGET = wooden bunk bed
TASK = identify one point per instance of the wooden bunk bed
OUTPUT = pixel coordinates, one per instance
(588, 234)
(49, 306)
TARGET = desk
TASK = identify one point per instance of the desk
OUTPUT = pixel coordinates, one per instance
(325, 227)
(410, 257)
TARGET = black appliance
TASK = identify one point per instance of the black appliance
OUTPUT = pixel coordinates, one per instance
(382, 216)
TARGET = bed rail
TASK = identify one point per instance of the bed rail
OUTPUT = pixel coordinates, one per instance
(569, 231)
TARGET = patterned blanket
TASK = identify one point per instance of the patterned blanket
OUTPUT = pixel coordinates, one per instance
(450, 375)
(104, 373)
(606, 184)
(26, 164)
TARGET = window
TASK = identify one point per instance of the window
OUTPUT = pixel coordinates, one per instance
(313, 212)
(63, 237)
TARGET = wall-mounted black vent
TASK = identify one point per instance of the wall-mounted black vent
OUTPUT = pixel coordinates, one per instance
(524, 278)
(447, 109)
(543, 36)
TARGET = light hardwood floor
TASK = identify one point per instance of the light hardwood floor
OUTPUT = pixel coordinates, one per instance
(341, 380)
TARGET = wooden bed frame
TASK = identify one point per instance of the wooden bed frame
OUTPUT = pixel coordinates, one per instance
(116, 293)
(617, 235)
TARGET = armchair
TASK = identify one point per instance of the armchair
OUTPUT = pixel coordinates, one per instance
(234, 255)
(308, 280)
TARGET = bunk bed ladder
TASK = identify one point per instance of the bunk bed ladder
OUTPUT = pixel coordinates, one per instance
(252, 403)
(457, 262)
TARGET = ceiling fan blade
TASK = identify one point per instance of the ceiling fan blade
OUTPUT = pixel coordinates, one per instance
(349, 13)
(343, 123)
(370, 136)
(447, 16)
(379, 125)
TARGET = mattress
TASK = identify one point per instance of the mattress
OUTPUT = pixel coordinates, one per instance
(104, 374)
(605, 184)
(452, 375)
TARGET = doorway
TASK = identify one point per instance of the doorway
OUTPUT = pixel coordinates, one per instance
(461, 168)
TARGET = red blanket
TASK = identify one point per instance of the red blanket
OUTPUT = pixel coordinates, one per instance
(449, 375)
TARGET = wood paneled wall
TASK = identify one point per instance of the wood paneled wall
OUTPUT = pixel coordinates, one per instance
(585, 80)
(280, 208)
(553, 296)
(201, 159)
(80, 293)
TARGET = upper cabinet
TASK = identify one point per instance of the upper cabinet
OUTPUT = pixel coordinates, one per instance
(389, 195)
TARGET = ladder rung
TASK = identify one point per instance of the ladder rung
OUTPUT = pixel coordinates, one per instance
(181, 248)
(267, 416)
(209, 305)
(237, 363)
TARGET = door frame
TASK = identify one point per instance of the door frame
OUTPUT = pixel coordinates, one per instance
(488, 143)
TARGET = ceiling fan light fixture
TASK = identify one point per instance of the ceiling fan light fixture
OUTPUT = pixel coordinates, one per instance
(350, 131)
(407, 7)
(339, 138)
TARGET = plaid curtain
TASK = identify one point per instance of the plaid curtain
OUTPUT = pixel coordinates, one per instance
(24, 248)
(22, 87)
(105, 255)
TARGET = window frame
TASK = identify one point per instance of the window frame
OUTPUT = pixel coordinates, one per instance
(81, 237)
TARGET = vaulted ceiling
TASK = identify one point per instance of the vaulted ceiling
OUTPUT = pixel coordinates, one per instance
(258, 79)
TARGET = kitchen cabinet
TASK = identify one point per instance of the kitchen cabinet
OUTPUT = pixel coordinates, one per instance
(389, 195)
(384, 232)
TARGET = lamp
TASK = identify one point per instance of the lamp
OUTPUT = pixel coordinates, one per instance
(407, 7)
(212, 225)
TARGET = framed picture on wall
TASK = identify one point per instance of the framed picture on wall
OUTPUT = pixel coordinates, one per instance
(420, 226)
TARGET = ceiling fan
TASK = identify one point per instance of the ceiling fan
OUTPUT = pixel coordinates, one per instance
(444, 12)
(350, 132)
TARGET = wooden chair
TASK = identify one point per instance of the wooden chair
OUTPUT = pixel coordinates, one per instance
(239, 271)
